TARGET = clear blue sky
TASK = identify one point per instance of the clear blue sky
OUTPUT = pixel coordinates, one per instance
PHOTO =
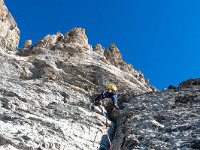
(159, 37)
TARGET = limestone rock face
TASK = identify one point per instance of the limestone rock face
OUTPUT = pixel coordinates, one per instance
(43, 106)
(9, 33)
(159, 120)
(33, 86)
(47, 92)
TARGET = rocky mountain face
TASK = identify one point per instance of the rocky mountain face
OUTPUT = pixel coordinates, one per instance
(9, 33)
(160, 120)
(47, 89)
(71, 60)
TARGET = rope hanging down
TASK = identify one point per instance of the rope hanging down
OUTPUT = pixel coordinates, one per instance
(106, 128)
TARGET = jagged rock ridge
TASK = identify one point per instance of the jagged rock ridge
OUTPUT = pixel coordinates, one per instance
(92, 69)
(37, 79)
(46, 91)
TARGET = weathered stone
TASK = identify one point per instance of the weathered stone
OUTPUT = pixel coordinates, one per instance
(147, 81)
(189, 83)
(46, 101)
(50, 40)
(27, 43)
(9, 33)
(185, 99)
(76, 36)
(99, 48)
(34, 86)
(155, 123)
(114, 56)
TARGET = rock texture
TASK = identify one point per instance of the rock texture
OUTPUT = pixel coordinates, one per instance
(76, 36)
(189, 83)
(114, 56)
(9, 33)
(47, 89)
(46, 92)
(99, 48)
(27, 44)
(34, 83)
(160, 120)
(78, 65)
(32, 115)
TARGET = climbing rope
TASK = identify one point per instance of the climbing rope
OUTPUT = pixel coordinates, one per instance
(106, 127)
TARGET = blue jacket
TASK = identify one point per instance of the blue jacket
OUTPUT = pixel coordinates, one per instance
(106, 94)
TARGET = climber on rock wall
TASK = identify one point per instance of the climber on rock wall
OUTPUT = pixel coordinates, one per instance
(110, 92)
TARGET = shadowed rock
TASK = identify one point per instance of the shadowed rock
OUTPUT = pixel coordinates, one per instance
(189, 83)
(171, 87)
(50, 40)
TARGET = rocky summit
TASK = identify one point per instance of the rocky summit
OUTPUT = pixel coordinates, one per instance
(47, 92)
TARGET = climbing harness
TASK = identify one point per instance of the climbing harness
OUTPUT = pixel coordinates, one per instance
(106, 128)
(103, 94)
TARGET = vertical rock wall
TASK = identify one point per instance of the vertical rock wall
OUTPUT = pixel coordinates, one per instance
(9, 33)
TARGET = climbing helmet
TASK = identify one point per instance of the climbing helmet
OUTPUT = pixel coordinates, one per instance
(112, 87)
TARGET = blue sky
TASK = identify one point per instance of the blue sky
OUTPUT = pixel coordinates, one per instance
(159, 37)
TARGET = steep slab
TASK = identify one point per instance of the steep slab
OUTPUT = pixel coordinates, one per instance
(160, 120)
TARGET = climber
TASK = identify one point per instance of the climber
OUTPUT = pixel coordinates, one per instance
(110, 92)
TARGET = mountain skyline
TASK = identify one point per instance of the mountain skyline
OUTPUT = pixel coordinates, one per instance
(159, 38)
